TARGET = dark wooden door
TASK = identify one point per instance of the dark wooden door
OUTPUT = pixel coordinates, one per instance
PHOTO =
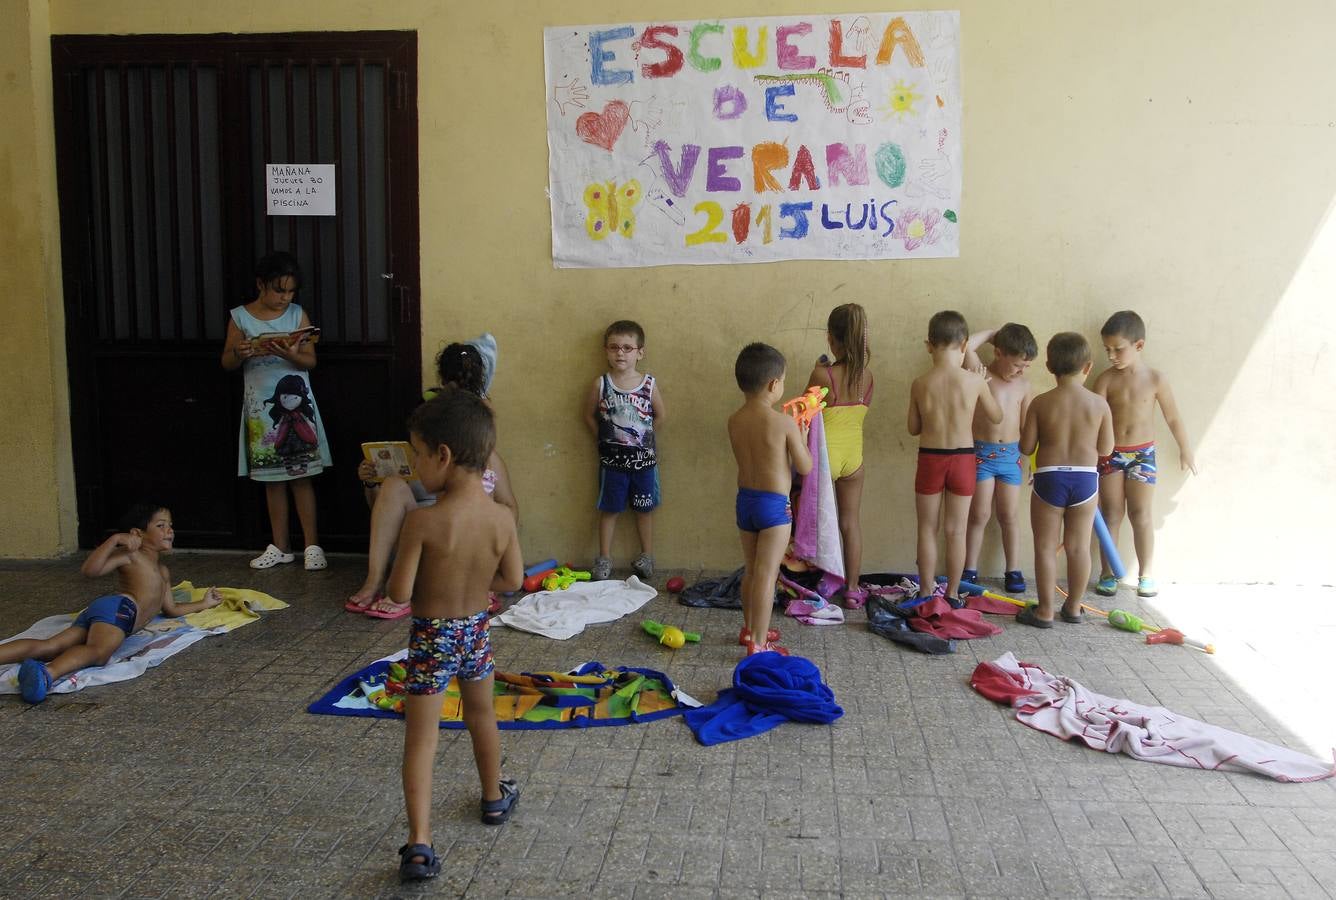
(161, 143)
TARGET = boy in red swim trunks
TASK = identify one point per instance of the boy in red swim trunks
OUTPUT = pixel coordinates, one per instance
(450, 555)
(942, 402)
(1127, 475)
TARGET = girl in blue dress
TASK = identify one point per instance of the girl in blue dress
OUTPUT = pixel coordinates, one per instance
(282, 440)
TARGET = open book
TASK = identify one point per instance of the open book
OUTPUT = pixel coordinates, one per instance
(309, 334)
(390, 458)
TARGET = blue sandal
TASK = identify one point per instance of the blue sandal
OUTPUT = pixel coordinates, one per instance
(496, 812)
(34, 681)
(428, 867)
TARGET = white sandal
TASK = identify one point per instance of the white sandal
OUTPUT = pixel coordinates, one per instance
(315, 558)
(271, 557)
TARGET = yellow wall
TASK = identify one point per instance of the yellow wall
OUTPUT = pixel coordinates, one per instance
(36, 494)
(1171, 158)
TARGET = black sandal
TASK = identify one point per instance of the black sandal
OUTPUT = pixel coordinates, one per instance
(496, 812)
(429, 867)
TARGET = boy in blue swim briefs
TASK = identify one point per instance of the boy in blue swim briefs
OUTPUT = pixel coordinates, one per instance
(1072, 428)
(143, 590)
(999, 466)
(1128, 473)
(769, 447)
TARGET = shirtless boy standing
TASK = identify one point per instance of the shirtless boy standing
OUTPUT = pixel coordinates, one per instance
(768, 446)
(1127, 475)
(144, 590)
(1000, 468)
(942, 404)
(1072, 428)
(450, 555)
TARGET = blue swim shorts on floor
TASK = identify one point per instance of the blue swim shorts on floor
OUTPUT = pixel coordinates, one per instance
(113, 609)
(759, 510)
(1000, 461)
(1066, 486)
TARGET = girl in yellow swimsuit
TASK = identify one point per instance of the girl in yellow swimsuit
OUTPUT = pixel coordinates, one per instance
(850, 387)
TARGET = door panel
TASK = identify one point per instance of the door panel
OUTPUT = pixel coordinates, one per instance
(161, 146)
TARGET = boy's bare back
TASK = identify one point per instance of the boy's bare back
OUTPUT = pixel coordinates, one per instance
(451, 554)
(767, 446)
(942, 403)
(1072, 425)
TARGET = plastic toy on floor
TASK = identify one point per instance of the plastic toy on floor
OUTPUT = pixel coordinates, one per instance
(1126, 621)
(670, 635)
(562, 578)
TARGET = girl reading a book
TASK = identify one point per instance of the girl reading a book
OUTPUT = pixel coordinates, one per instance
(282, 438)
(467, 367)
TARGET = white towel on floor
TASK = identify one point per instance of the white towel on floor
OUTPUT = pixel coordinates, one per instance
(564, 614)
(140, 652)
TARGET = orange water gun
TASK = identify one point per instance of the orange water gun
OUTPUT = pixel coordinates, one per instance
(805, 408)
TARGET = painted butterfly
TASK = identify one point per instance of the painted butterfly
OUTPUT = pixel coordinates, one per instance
(611, 208)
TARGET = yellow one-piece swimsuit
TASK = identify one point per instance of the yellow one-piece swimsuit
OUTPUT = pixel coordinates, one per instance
(844, 430)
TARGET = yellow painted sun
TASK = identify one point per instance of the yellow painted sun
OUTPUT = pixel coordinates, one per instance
(902, 99)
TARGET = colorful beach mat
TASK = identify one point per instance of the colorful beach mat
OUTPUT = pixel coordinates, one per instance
(591, 695)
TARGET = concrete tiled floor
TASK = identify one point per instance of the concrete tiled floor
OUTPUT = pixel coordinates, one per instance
(206, 777)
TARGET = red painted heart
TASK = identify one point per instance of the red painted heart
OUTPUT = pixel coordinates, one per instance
(603, 129)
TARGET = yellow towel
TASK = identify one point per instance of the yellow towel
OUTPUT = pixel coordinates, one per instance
(238, 607)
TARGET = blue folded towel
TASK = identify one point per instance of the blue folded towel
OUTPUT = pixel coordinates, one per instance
(768, 689)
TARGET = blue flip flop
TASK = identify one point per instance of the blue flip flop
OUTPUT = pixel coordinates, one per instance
(429, 867)
(34, 681)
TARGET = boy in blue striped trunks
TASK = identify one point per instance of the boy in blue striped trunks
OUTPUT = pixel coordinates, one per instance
(1128, 473)
(999, 466)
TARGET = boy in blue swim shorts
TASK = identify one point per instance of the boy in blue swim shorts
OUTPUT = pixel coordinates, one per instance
(1072, 427)
(450, 555)
(999, 466)
(1128, 473)
(143, 590)
(769, 447)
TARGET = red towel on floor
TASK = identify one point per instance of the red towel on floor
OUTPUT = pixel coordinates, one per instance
(992, 607)
(937, 617)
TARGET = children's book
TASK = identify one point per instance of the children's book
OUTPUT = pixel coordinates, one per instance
(390, 458)
(309, 334)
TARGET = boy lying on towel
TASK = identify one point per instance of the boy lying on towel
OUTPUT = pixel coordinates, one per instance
(144, 590)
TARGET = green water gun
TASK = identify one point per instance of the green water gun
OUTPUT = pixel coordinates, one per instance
(563, 578)
(669, 635)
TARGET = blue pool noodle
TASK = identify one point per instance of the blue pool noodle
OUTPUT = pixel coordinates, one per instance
(1110, 548)
(540, 567)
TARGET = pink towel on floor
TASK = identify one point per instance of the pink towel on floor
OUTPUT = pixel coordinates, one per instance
(1063, 708)
(939, 618)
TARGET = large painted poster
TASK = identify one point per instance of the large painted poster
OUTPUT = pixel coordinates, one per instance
(754, 140)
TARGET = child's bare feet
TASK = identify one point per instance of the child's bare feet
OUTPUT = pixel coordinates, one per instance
(364, 597)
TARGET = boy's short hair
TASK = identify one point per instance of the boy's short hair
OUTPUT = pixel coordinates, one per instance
(625, 326)
(1016, 340)
(460, 420)
(1124, 324)
(1068, 352)
(757, 365)
(139, 515)
(947, 328)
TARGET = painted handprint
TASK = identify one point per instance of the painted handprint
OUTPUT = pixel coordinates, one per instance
(570, 93)
(934, 177)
